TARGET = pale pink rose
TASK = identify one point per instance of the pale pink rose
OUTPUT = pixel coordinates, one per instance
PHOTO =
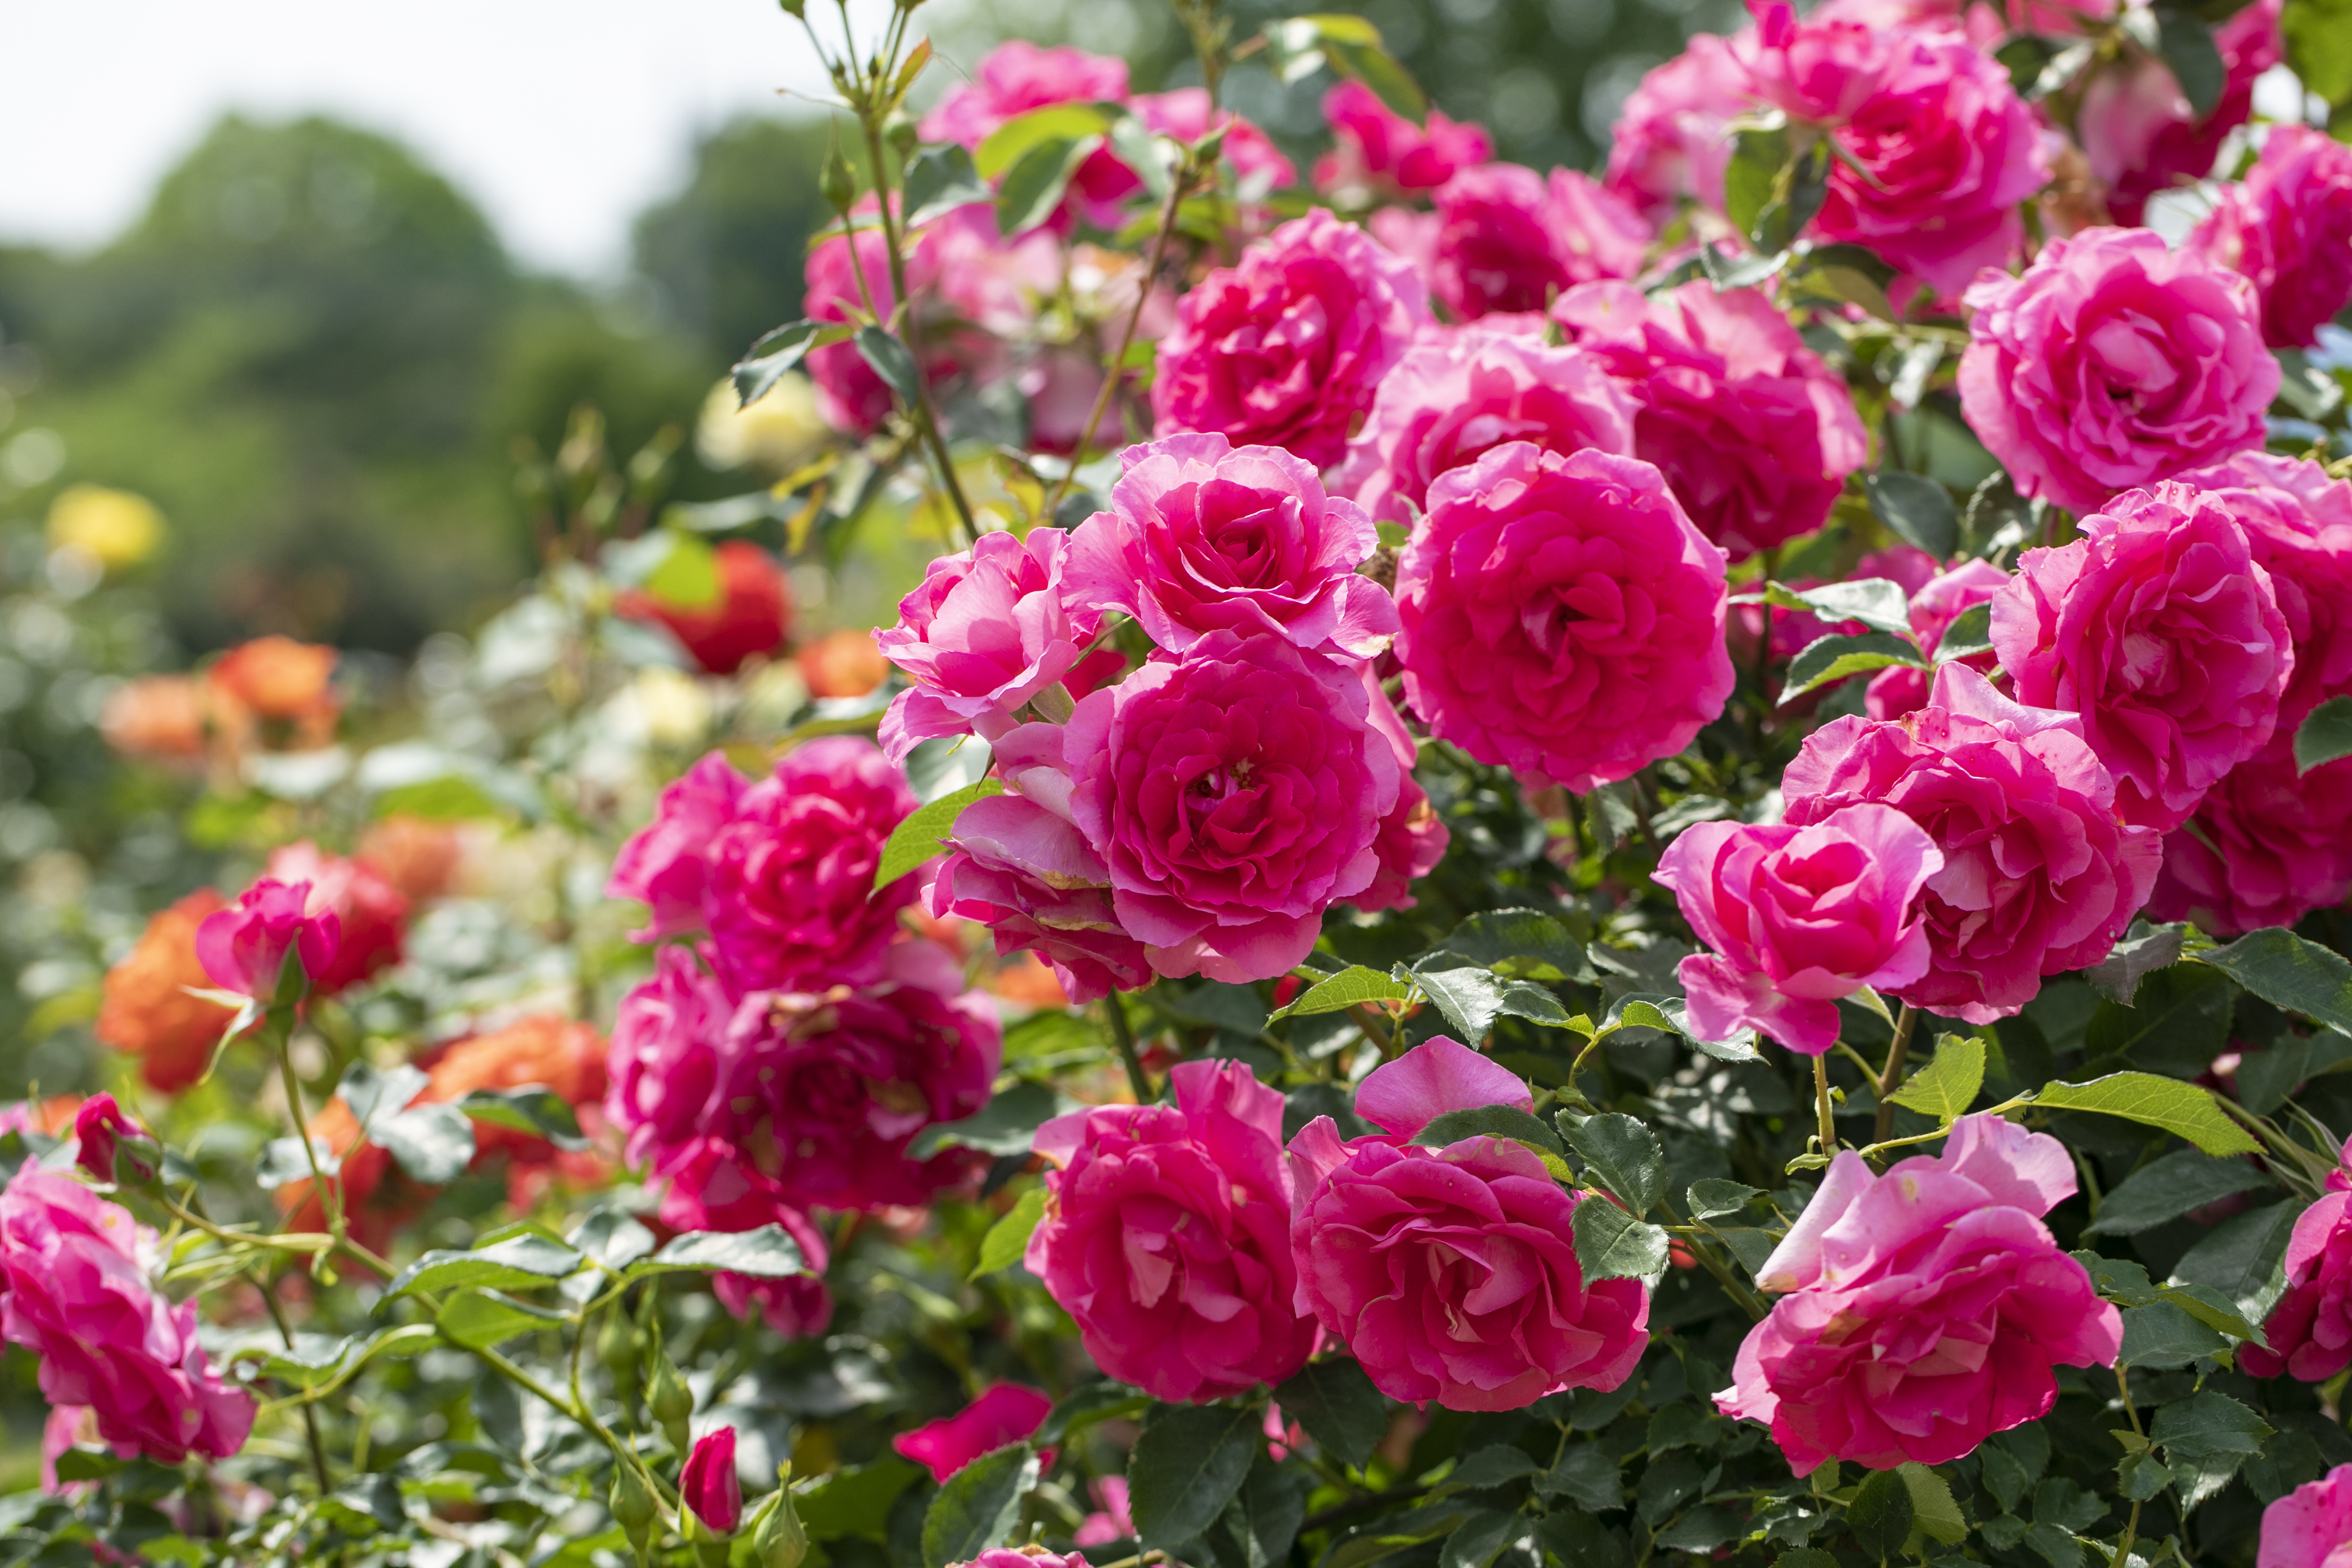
(1561, 615)
(1017, 76)
(1166, 1237)
(1902, 689)
(2138, 130)
(2309, 1331)
(712, 1184)
(74, 1268)
(1798, 918)
(1874, 1355)
(986, 631)
(2114, 363)
(2163, 633)
(1753, 432)
(1506, 238)
(2309, 1527)
(1459, 394)
(1002, 1415)
(1234, 793)
(1820, 70)
(2040, 873)
(1202, 537)
(666, 864)
(1450, 1272)
(1671, 140)
(1184, 114)
(1286, 348)
(2284, 843)
(243, 948)
(1112, 1520)
(2288, 226)
(1381, 151)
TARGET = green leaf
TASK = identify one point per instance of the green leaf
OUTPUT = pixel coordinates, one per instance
(1471, 999)
(1934, 1514)
(2143, 951)
(2168, 1188)
(1877, 602)
(534, 1108)
(522, 1261)
(80, 1464)
(1881, 1513)
(978, 1506)
(1506, 1121)
(1351, 46)
(1012, 141)
(1480, 1539)
(1035, 187)
(2287, 971)
(2205, 1438)
(478, 1319)
(1008, 1238)
(2325, 734)
(1758, 154)
(2187, 46)
(1713, 1197)
(686, 576)
(1587, 1476)
(1337, 1403)
(918, 838)
(1492, 1466)
(1918, 510)
(767, 1253)
(2242, 1256)
(1623, 1154)
(1186, 1465)
(1352, 987)
(2178, 1021)
(892, 362)
(433, 1143)
(856, 1500)
(1835, 658)
(367, 1092)
(1969, 634)
(611, 1239)
(1090, 1405)
(1531, 944)
(1947, 1087)
(939, 180)
(2161, 1336)
(2183, 1109)
(778, 352)
(1006, 1125)
(1612, 1245)
(2319, 47)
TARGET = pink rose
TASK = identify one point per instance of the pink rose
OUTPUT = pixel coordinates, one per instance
(707, 1482)
(2309, 1331)
(102, 1131)
(2114, 363)
(710, 1184)
(1798, 918)
(1875, 1354)
(1286, 348)
(1003, 1414)
(1381, 151)
(2137, 130)
(825, 1089)
(1670, 141)
(2288, 226)
(985, 632)
(1413, 838)
(1030, 1556)
(663, 1065)
(1821, 71)
(2163, 633)
(1017, 76)
(1561, 615)
(790, 895)
(1234, 794)
(666, 864)
(1450, 1272)
(1184, 114)
(371, 914)
(75, 1271)
(1902, 689)
(1112, 1518)
(1166, 1237)
(2284, 839)
(1508, 238)
(1456, 397)
(1202, 537)
(244, 947)
(2040, 873)
(1754, 434)
(2307, 1528)
(1933, 158)
(1026, 873)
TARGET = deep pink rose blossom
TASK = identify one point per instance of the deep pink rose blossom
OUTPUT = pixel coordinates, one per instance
(1112, 1520)
(2309, 1526)
(1902, 689)
(708, 1485)
(1922, 1311)
(665, 865)
(1286, 348)
(1017, 76)
(1671, 139)
(1381, 151)
(2285, 839)
(1799, 917)
(2138, 133)
(711, 1184)
(1184, 113)
(663, 1066)
(986, 631)
(1166, 1237)
(1819, 70)
(2040, 875)
(2113, 362)
(1755, 435)
(244, 947)
(1458, 396)
(75, 1270)
(2163, 633)
(1031, 1556)
(2288, 226)
(1234, 794)
(2309, 1331)
(1003, 1414)
(106, 1136)
(1450, 1273)
(1562, 617)
(1506, 239)
(1202, 537)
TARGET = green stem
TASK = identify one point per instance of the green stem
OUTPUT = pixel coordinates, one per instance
(309, 1416)
(1821, 1103)
(1124, 1035)
(1888, 1082)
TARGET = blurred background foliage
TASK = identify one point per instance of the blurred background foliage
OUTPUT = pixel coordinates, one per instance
(314, 355)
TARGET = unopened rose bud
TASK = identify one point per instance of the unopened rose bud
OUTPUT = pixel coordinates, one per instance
(632, 1507)
(782, 1542)
(838, 182)
(668, 1400)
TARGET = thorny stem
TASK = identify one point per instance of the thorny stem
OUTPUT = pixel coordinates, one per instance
(1375, 1030)
(1821, 1103)
(1905, 1022)
(309, 1416)
(1124, 1034)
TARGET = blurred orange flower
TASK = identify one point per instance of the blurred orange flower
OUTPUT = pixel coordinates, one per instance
(417, 855)
(279, 683)
(843, 664)
(1026, 982)
(158, 717)
(146, 1008)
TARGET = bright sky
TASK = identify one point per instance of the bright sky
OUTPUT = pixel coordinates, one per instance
(562, 118)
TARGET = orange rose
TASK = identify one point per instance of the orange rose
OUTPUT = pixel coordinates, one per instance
(146, 1008)
(843, 664)
(1025, 982)
(155, 716)
(278, 682)
(418, 856)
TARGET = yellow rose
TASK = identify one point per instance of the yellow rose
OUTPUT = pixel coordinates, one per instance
(115, 527)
